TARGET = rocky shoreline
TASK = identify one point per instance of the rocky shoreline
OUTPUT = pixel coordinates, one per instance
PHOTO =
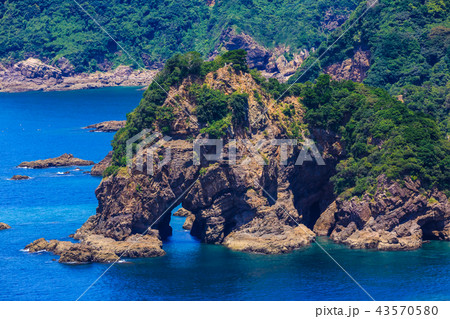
(35, 75)
(396, 217)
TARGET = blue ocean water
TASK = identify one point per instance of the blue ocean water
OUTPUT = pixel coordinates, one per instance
(40, 125)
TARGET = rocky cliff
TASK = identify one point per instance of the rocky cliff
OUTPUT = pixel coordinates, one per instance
(397, 217)
(271, 62)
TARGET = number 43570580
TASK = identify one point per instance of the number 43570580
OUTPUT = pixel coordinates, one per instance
(407, 310)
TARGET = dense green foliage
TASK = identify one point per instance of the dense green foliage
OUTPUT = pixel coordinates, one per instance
(153, 30)
(381, 135)
(409, 41)
(212, 105)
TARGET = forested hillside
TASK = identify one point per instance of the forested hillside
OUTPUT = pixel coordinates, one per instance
(409, 46)
(153, 30)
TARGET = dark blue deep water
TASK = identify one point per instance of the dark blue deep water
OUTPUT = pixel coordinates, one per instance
(42, 125)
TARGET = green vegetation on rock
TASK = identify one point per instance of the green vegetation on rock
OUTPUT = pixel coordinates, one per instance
(154, 30)
(381, 135)
(409, 44)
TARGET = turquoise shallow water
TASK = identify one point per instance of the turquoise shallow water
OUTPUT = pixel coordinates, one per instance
(42, 125)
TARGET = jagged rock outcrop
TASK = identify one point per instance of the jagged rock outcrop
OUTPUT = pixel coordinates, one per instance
(34, 75)
(182, 212)
(107, 126)
(20, 177)
(4, 226)
(396, 217)
(63, 160)
(99, 168)
(272, 63)
(354, 69)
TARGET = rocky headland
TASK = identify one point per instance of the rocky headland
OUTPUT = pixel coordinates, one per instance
(34, 75)
(263, 203)
(107, 126)
(4, 226)
(63, 160)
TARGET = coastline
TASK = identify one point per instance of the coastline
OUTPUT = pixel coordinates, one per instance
(34, 75)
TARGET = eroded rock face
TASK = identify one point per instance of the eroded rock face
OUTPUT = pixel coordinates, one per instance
(63, 160)
(34, 68)
(107, 126)
(4, 226)
(99, 168)
(272, 63)
(354, 69)
(397, 217)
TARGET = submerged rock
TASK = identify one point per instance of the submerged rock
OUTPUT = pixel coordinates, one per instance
(63, 160)
(4, 226)
(108, 126)
(20, 177)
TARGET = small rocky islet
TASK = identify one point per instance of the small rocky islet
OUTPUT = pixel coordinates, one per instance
(20, 177)
(60, 161)
(266, 209)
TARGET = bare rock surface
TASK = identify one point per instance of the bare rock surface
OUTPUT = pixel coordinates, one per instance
(182, 212)
(107, 126)
(35, 75)
(189, 222)
(397, 217)
(99, 168)
(63, 160)
(353, 69)
(4, 226)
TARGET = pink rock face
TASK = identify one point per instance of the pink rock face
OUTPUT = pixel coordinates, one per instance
(354, 69)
